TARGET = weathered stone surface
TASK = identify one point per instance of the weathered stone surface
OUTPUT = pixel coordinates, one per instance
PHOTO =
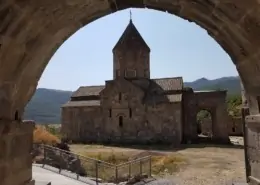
(234, 124)
(15, 158)
(215, 103)
(31, 31)
(253, 147)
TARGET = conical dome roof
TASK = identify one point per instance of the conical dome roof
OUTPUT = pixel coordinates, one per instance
(131, 38)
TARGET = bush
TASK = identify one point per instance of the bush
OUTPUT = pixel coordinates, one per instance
(41, 135)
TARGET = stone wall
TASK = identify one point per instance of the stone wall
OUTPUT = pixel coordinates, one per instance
(189, 117)
(165, 123)
(212, 101)
(81, 124)
(253, 148)
(235, 127)
(15, 152)
(153, 124)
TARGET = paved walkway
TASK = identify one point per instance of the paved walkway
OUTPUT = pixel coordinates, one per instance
(43, 176)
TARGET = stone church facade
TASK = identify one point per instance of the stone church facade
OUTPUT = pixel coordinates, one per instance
(133, 108)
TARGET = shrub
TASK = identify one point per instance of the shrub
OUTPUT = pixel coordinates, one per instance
(41, 135)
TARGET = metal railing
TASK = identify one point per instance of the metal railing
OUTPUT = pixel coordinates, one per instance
(85, 168)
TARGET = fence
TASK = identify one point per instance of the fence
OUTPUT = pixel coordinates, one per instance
(80, 167)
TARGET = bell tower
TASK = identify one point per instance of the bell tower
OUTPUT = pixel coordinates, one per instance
(131, 55)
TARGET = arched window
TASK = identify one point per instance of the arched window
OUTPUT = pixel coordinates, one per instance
(130, 73)
(120, 121)
(120, 96)
(110, 113)
(16, 116)
(130, 112)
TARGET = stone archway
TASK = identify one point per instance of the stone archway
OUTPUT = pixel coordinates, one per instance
(31, 31)
(215, 103)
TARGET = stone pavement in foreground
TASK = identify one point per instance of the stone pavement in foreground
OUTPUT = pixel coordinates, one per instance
(43, 176)
(49, 174)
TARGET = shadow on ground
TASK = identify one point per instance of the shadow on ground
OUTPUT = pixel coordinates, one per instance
(201, 143)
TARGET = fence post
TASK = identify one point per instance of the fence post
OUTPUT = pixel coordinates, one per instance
(141, 167)
(44, 155)
(150, 166)
(78, 170)
(116, 175)
(245, 112)
(96, 172)
(60, 162)
(130, 170)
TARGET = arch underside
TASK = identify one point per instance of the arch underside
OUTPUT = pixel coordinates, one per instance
(31, 32)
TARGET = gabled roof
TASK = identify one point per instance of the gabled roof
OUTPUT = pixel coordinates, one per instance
(88, 91)
(169, 84)
(131, 37)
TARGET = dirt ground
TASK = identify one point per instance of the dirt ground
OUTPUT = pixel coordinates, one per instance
(207, 165)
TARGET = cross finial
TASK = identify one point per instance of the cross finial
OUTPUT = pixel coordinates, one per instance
(130, 15)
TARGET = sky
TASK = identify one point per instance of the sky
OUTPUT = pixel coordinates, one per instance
(178, 48)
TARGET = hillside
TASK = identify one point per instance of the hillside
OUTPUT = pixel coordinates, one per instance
(232, 84)
(44, 106)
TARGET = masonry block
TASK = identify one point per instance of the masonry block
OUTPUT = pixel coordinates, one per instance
(15, 152)
(253, 148)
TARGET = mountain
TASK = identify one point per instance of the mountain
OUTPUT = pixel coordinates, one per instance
(232, 84)
(44, 106)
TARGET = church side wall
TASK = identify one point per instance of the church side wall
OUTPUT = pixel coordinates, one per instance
(81, 124)
(164, 123)
(148, 124)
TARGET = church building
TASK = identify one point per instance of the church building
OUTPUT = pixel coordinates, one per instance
(132, 107)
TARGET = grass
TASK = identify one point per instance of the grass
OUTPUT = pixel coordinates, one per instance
(109, 157)
(168, 164)
(161, 164)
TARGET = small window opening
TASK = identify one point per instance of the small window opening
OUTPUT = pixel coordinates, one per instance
(120, 121)
(110, 113)
(120, 96)
(233, 129)
(130, 73)
(16, 117)
(130, 112)
(258, 102)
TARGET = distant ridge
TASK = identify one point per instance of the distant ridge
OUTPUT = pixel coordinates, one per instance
(44, 106)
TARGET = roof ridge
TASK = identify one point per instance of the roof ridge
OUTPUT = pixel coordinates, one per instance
(93, 86)
(167, 78)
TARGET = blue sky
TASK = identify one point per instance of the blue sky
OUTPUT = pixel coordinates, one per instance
(178, 48)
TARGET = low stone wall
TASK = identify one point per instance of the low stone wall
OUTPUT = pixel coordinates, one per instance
(235, 126)
(15, 152)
